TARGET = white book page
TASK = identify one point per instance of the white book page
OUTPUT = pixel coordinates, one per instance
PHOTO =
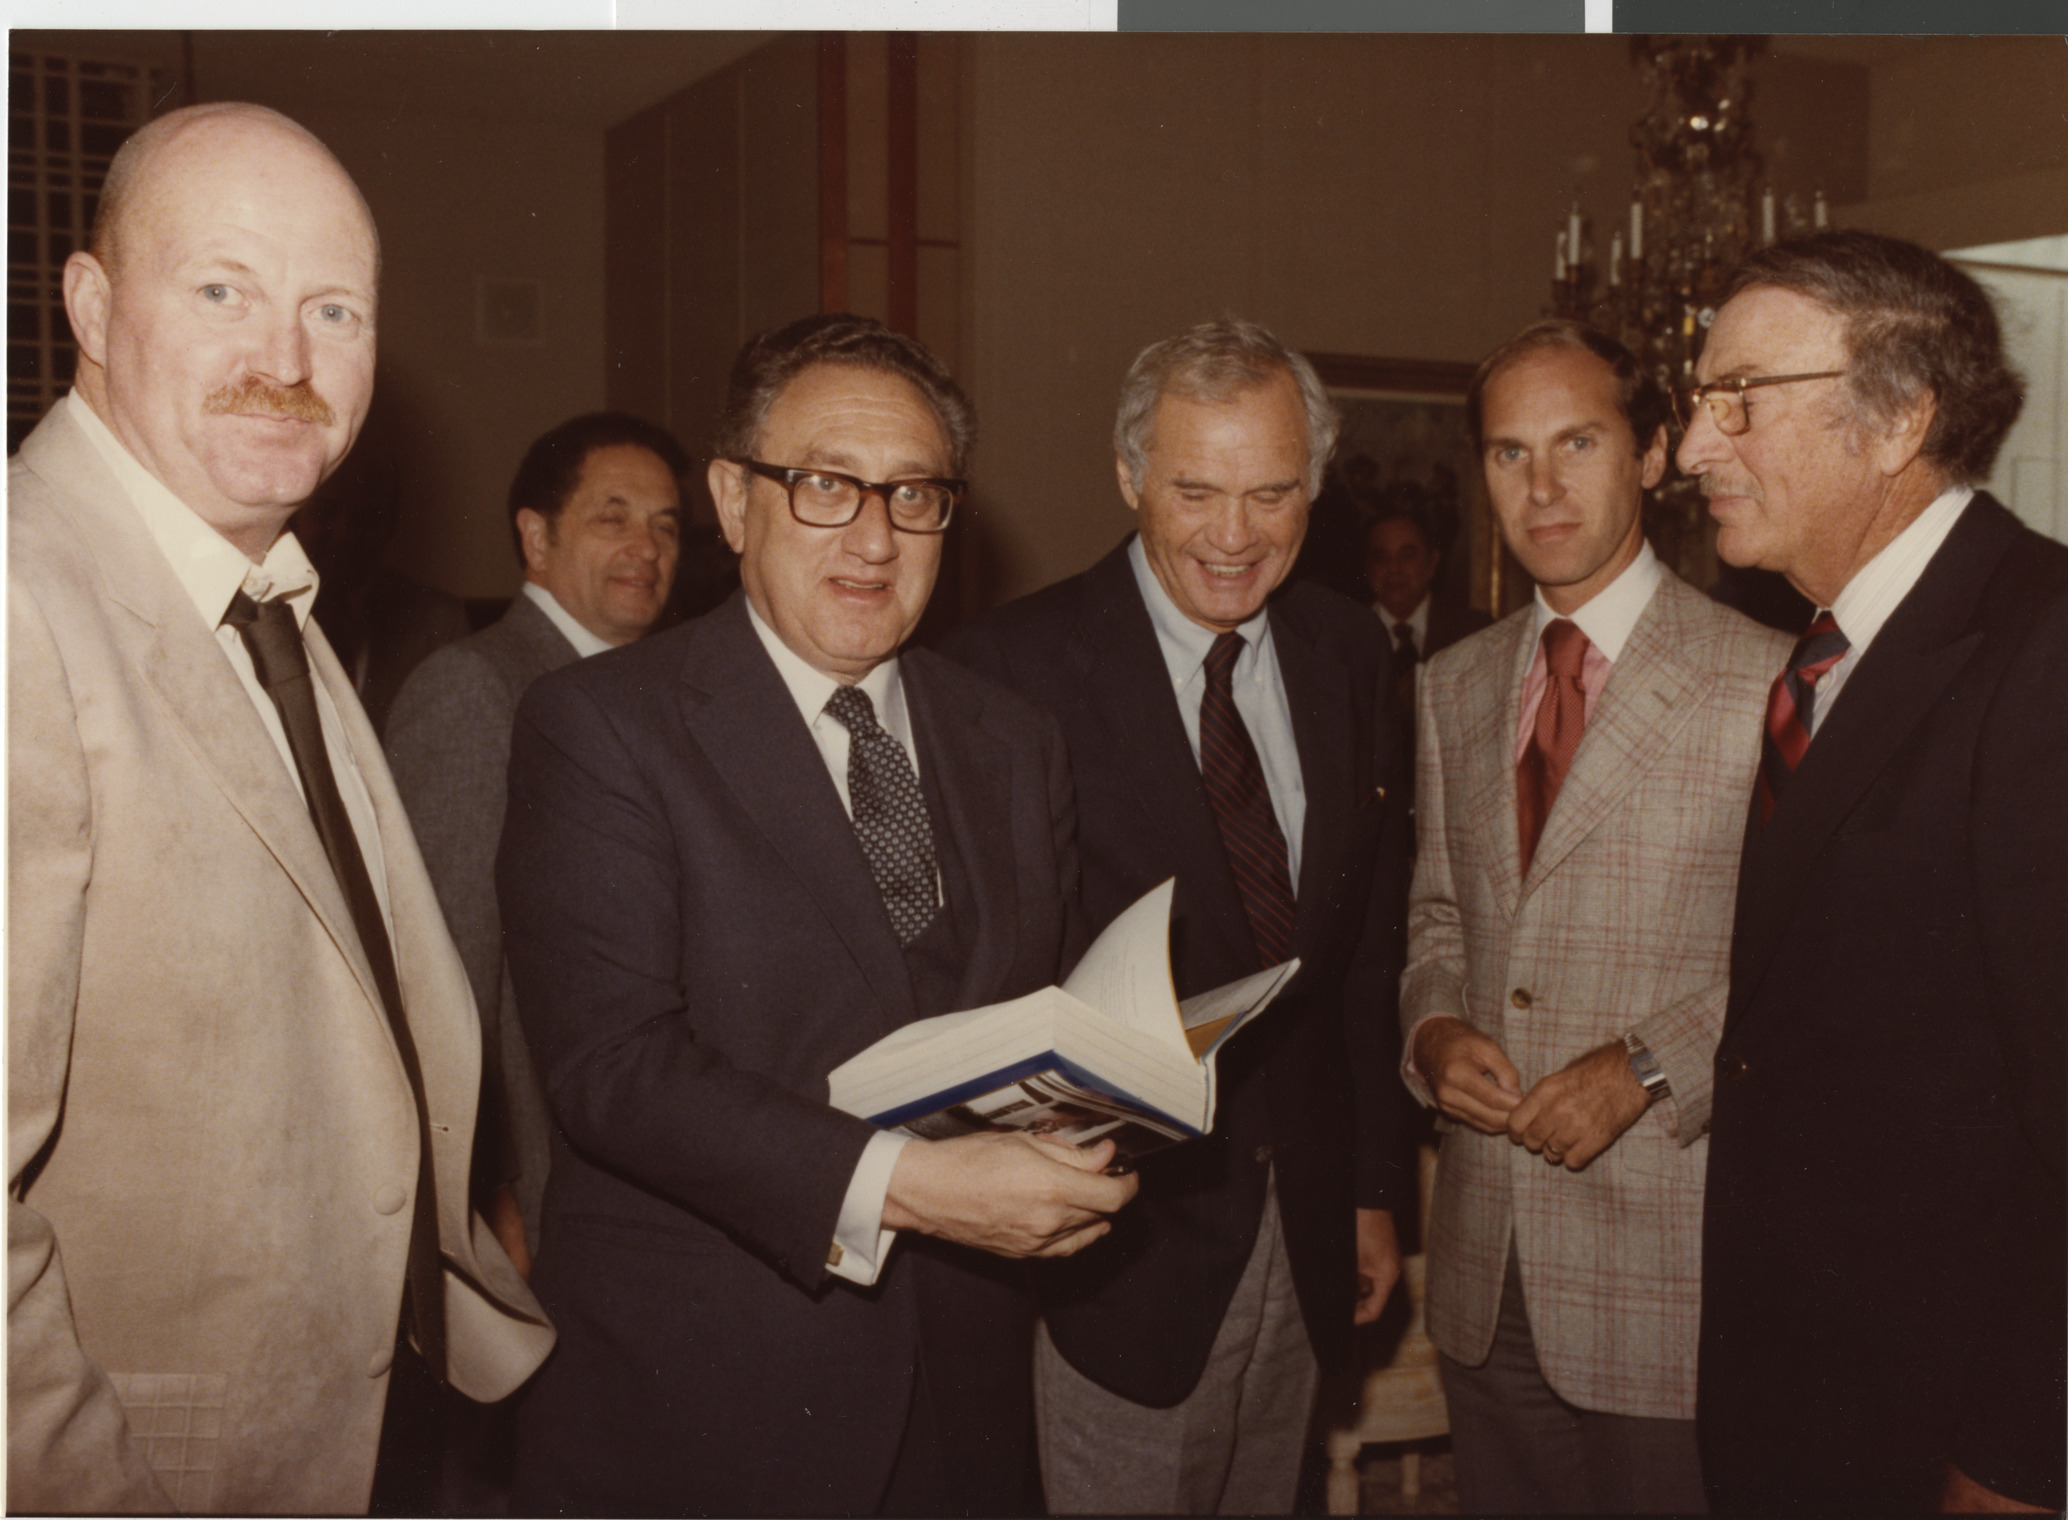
(1126, 973)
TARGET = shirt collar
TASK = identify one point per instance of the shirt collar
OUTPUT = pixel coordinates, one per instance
(209, 566)
(1184, 642)
(811, 688)
(1612, 612)
(1418, 620)
(585, 643)
(1879, 586)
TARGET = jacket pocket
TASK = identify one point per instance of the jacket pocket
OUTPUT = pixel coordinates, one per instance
(176, 1422)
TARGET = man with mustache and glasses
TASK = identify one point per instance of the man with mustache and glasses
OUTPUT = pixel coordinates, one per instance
(243, 1056)
(1883, 1288)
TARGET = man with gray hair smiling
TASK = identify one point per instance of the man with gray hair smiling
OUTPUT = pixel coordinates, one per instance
(242, 1053)
(1232, 731)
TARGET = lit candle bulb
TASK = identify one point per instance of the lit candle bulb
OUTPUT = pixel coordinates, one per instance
(1821, 216)
(1615, 260)
(1636, 229)
(1558, 267)
(1766, 216)
(1572, 226)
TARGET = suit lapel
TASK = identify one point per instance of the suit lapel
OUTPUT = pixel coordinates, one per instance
(179, 659)
(972, 768)
(1483, 797)
(1903, 674)
(1651, 694)
(742, 718)
(1127, 683)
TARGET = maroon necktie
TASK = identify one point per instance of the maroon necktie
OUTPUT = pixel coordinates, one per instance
(1791, 707)
(1234, 780)
(1561, 718)
(274, 641)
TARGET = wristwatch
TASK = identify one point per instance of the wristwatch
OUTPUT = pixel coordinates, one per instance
(1645, 1067)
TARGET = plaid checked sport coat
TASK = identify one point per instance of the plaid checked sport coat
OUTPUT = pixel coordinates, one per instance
(1623, 923)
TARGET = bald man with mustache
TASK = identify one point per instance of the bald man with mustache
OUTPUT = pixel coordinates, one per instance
(243, 1054)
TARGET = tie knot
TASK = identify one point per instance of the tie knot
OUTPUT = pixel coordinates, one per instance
(1565, 649)
(1821, 646)
(851, 705)
(272, 637)
(1220, 660)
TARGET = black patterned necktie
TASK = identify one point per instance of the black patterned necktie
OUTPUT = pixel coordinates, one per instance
(1791, 707)
(1234, 779)
(889, 815)
(274, 641)
(1405, 658)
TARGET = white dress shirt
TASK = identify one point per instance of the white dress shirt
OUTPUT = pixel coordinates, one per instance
(1607, 619)
(1259, 692)
(860, 1243)
(1880, 585)
(213, 570)
(585, 643)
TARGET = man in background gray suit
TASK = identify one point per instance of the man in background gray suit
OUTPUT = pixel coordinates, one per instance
(1584, 770)
(596, 513)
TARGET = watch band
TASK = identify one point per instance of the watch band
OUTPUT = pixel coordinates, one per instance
(1645, 1067)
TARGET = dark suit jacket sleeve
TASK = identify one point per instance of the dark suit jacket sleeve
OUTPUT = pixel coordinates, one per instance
(2011, 1440)
(595, 880)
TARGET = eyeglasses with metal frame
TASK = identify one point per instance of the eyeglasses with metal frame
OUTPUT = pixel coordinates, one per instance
(1728, 407)
(830, 499)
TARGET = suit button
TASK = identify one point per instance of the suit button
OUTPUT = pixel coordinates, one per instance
(390, 1201)
(380, 1362)
(1737, 1069)
(1520, 997)
(1263, 1155)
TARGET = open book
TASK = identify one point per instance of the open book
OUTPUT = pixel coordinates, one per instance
(1109, 1054)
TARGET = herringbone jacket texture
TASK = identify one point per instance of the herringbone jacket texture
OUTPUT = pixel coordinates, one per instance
(1622, 923)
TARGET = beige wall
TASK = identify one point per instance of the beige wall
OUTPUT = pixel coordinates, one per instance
(1390, 196)
(1385, 196)
(496, 176)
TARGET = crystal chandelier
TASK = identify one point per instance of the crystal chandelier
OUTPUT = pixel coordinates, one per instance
(1693, 210)
(1698, 207)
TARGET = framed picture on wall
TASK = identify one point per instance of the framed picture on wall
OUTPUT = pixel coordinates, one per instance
(1404, 442)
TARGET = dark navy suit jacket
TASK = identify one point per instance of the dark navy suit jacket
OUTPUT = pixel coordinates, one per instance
(1312, 1088)
(696, 940)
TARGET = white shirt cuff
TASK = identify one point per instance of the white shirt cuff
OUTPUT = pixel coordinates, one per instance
(860, 1243)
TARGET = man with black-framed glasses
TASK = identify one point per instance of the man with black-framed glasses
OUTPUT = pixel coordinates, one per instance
(1884, 1295)
(737, 854)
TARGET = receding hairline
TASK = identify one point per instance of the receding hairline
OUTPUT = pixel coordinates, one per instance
(129, 177)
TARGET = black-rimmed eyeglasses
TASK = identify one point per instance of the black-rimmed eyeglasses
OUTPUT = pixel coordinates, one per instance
(829, 499)
(1725, 399)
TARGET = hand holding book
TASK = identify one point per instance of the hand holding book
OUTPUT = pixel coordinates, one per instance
(1108, 1056)
(1005, 1193)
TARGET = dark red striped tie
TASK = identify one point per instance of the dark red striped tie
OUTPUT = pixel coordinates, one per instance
(1791, 707)
(1234, 780)
(1561, 720)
